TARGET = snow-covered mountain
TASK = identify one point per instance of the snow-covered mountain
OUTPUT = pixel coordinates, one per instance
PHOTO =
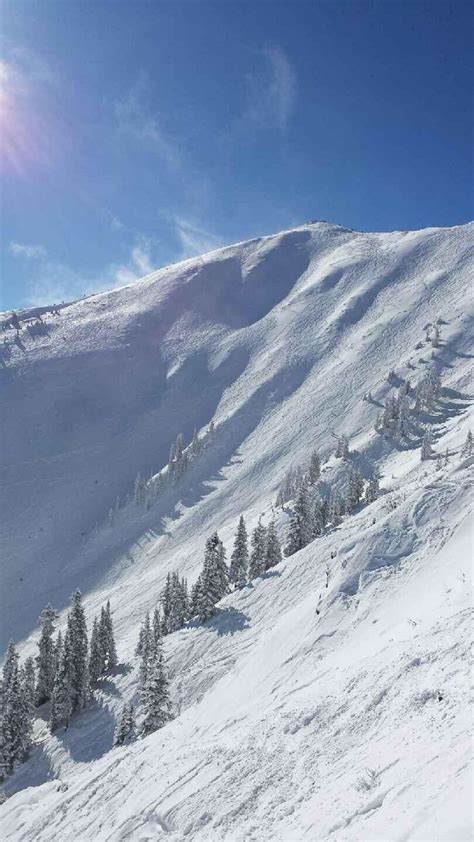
(301, 711)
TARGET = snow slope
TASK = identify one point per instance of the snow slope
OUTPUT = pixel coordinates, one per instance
(347, 724)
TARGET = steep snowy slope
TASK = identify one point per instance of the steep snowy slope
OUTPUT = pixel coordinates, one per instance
(293, 724)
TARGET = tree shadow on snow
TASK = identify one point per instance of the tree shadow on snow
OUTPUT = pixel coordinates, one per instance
(90, 734)
(225, 621)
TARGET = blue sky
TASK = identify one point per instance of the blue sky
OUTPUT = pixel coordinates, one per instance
(136, 134)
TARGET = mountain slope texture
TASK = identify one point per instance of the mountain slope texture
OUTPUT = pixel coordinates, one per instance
(328, 699)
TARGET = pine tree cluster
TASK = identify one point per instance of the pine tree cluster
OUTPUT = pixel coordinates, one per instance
(313, 511)
(180, 459)
(61, 674)
(153, 682)
(17, 697)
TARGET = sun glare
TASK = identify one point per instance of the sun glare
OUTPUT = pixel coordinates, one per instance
(25, 139)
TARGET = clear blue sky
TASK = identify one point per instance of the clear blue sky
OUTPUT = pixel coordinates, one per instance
(138, 133)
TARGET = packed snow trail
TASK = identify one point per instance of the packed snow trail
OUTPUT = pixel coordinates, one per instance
(291, 725)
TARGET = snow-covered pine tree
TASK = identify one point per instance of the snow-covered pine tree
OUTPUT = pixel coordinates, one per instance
(335, 507)
(273, 549)
(61, 697)
(16, 722)
(27, 692)
(324, 511)
(426, 449)
(354, 490)
(195, 597)
(97, 654)
(214, 578)
(195, 444)
(45, 659)
(342, 450)
(166, 599)
(139, 490)
(171, 461)
(106, 634)
(77, 644)
(146, 654)
(372, 488)
(10, 665)
(402, 424)
(301, 530)
(222, 569)
(157, 629)
(468, 446)
(239, 560)
(58, 648)
(314, 468)
(174, 618)
(258, 551)
(318, 517)
(126, 727)
(184, 600)
(156, 698)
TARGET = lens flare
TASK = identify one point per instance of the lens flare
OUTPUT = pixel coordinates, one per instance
(25, 133)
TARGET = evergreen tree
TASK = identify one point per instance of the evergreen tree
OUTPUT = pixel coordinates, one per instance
(148, 650)
(195, 444)
(58, 648)
(28, 682)
(426, 449)
(354, 489)
(11, 664)
(196, 597)
(314, 469)
(16, 721)
(166, 599)
(342, 450)
(273, 550)
(157, 630)
(45, 659)
(139, 490)
(214, 578)
(335, 507)
(318, 517)
(171, 461)
(156, 698)
(258, 551)
(468, 446)
(106, 634)
(61, 697)
(301, 531)
(372, 488)
(239, 560)
(97, 654)
(27, 692)
(126, 727)
(78, 650)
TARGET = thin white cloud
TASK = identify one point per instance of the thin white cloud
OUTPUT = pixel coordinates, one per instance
(30, 252)
(271, 90)
(194, 240)
(135, 120)
(51, 281)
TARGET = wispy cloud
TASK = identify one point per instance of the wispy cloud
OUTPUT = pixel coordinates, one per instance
(271, 90)
(52, 281)
(194, 240)
(30, 252)
(136, 120)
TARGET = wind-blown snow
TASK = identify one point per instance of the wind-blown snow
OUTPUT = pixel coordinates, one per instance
(350, 724)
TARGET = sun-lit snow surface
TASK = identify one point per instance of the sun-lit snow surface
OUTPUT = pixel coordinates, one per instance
(348, 724)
